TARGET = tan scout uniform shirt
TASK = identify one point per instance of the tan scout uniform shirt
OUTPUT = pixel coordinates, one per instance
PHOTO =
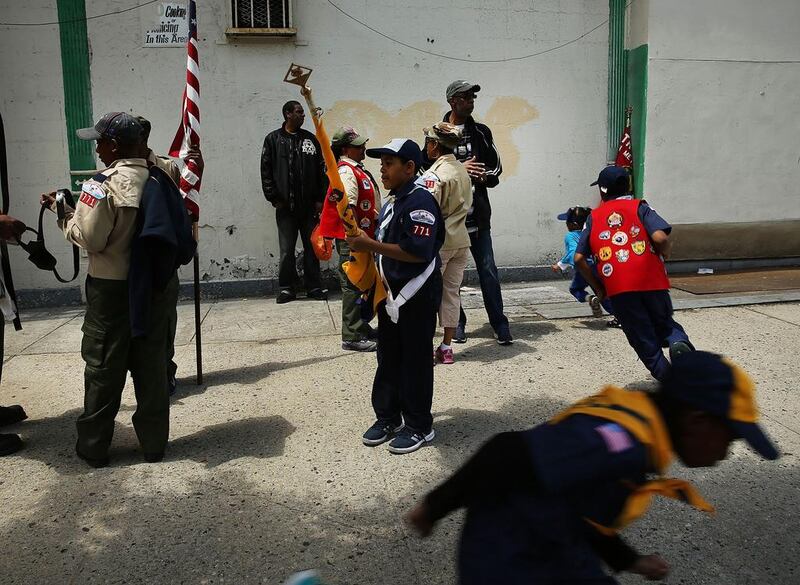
(104, 220)
(166, 164)
(450, 184)
(351, 184)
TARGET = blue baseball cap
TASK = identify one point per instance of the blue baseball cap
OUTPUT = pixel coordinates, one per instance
(405, 148)
(612, 180)
(714, 384)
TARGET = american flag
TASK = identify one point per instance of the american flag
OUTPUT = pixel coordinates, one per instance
(189, 130)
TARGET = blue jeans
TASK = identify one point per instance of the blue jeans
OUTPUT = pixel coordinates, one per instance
(578, 290)
(483, 254)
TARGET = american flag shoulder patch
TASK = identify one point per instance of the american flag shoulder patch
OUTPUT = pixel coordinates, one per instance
(616, 438)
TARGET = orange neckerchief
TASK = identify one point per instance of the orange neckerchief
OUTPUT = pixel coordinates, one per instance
(636, 413)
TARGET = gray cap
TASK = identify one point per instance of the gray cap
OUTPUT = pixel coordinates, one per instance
(117, 125)
(461, 86)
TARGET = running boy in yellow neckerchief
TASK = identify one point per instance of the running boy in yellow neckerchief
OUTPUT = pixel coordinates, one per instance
(545, 505)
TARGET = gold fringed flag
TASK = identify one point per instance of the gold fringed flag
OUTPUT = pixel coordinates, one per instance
(360, 269)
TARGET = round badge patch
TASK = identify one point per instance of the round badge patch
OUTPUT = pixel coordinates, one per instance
(606, 270)
(614, 220)
(619, 238)
(604, 235)
(366, 205)
(365, 223)
(635, 229)
(604, 254)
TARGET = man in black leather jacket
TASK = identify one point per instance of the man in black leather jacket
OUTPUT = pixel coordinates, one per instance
(294, 182)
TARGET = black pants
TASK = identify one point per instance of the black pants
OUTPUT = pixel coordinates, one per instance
(403, 384)
(289, 225)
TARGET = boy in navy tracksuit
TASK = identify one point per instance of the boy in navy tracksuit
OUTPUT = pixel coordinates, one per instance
(545, 506)
(410, 234)
(629, 241)
(575, 218)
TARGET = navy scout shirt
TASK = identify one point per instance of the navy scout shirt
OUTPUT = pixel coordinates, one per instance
(415, 224)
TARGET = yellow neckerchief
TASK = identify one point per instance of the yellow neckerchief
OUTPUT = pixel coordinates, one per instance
(636, 413)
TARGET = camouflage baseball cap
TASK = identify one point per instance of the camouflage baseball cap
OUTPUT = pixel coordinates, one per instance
(348, 136)
(120, 126)
(445, 134)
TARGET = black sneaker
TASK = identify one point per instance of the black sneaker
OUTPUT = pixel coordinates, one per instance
(10, 415)
(285, 296)
(317, 294)
(372, 334)
(380, 432)
(679, 348)
(460, 335)
(154, 457)
(97, 463)
(504, 336)
(408, 441)
(9, 444)
(360, 345)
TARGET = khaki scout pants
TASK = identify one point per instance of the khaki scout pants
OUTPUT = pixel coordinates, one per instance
(354, 328)
(453, 264)
(109, 353)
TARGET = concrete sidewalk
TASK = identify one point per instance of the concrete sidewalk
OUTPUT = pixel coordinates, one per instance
(266, 475)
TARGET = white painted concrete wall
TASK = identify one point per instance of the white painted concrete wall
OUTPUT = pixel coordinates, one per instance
(723, 120)
(32, 105)
(548, 113)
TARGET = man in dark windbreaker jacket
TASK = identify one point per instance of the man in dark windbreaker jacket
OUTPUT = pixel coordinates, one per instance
(480, 157)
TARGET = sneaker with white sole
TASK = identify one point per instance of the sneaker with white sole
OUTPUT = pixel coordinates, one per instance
(597, 308)
(380, 432)
(360, 345)
(444, 355)
(408, 441)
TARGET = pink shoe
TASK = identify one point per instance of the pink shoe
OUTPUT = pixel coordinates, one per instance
(445, 356)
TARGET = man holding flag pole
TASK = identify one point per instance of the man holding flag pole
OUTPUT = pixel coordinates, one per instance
(187, 139)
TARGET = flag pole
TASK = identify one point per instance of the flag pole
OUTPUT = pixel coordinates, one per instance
(198, 338)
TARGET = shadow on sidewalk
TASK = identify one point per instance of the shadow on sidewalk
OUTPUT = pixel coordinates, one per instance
(243, 375)
(525, 333)
(52, 441)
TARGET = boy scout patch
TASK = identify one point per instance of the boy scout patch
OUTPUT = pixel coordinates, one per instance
(635, 231)
(638, 248)
(366, 184)
(91, 193)
(614, 220)
(604, 253)
(606, 270)
(365, 223)
(365, 205)
(605, 235)
(619, 238)
(623, 255)
(422, 216)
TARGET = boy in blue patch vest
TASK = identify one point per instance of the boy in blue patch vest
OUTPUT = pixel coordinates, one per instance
(545, 506)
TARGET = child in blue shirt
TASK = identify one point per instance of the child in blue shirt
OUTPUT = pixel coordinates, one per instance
(576, 219)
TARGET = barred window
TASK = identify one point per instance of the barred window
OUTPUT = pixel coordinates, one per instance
(262, 14)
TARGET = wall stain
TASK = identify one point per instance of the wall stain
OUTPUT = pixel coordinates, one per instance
(506, 114)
